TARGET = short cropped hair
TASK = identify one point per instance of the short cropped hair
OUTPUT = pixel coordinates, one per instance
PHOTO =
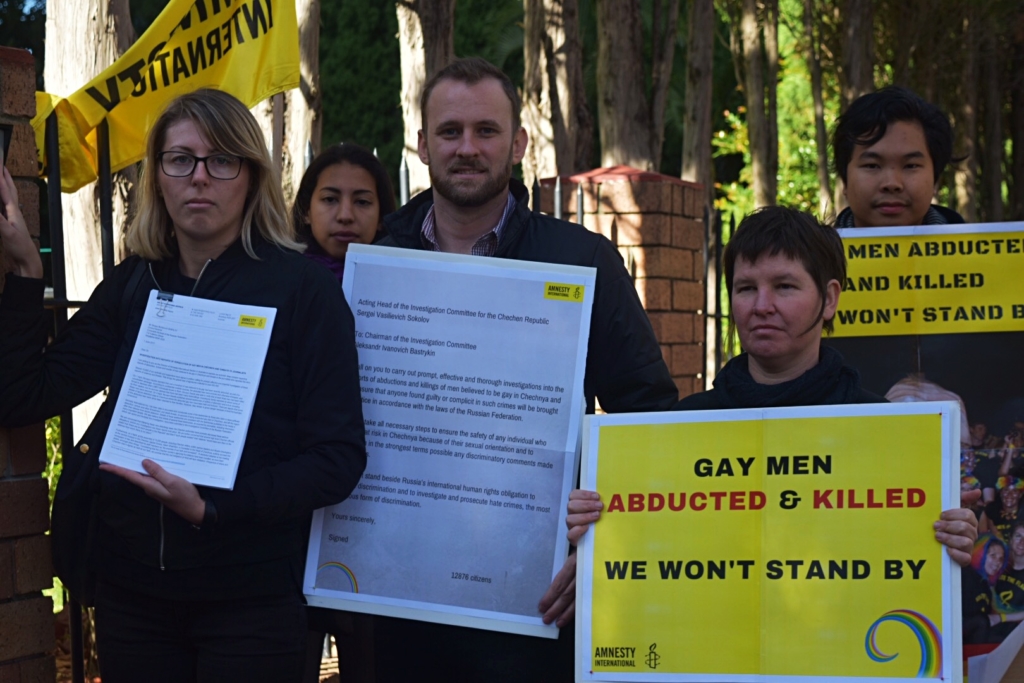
(868, 118)
(472, 70)
(344, 153)
(800, 236)
(230, 127)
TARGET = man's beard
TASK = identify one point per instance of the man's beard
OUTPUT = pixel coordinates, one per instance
(470, 197)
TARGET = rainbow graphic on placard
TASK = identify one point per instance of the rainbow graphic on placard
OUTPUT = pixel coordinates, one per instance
(344, 570)
(927, 636)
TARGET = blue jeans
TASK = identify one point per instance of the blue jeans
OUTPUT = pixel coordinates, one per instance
(140, 637)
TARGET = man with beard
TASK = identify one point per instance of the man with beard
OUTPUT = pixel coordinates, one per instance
(471, 139)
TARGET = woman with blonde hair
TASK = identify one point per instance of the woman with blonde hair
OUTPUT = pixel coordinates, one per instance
(195, 583)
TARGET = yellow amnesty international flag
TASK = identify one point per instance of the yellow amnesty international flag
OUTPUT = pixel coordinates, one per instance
(248, 48)
(932, 280)
(761, 545)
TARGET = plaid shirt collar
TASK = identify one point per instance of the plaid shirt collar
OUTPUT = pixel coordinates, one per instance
(487, 245)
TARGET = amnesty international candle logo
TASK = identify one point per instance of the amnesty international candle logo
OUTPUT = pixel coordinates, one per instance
(557, 291)
(800, 537)
(254, 321)
(653, 657)
(915, 281)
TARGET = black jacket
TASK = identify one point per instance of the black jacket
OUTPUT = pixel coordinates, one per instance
(828, 383)
(304, 448)
(625, 369)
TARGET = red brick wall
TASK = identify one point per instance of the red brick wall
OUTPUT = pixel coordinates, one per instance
(26, 616)
(656, 221)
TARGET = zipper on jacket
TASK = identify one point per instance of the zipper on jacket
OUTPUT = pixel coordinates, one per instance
(149, 264)
(162, 537)
(203, 270)
(192, 293)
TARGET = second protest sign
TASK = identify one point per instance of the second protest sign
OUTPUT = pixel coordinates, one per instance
(762, 545)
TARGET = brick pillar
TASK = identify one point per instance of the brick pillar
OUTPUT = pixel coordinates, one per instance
(656, 221)
(26, 616)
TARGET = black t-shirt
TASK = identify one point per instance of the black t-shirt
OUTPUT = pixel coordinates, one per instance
(986, 469)
(976, 605)
(1009, 591)
(975, 593)
(1002, 523)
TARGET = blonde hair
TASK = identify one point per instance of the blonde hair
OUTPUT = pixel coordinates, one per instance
(229, 127)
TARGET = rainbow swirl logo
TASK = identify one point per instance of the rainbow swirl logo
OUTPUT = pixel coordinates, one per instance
(348, 573)
(928, 637)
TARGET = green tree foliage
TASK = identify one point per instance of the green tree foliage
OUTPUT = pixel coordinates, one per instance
(361, 81)
(491, 29)
(360, 77)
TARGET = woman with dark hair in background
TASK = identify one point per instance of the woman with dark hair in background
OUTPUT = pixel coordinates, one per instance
(342, 200)
(197, 583)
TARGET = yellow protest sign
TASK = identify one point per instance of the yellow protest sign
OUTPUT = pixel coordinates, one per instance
(932, 280)
(759, 545)
(248, 48)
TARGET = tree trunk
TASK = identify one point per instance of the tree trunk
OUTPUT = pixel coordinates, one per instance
(303, 106)
(663, 50)
(699, 80)
(555, 111)
(992, 158)
(540, 117)
(574, 99)
(820, 133)
(426, 42)
(858, 44)
(966, 129)
(623, 113)
(907, 16)
(757, 122)
(771, 50)
(82, 39)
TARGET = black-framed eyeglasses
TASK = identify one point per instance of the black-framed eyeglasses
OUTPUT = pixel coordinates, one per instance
(182, 164)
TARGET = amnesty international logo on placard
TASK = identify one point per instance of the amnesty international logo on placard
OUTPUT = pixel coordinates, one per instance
(953, 279)
(770, 544)
(653, 657)
(558, 291)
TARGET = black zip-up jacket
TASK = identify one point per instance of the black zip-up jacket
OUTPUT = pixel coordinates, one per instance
(829, 383)
(625, 368)
(625, 371)
(304, 448)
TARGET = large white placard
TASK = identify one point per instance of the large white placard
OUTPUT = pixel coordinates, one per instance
(189, 391)
(471, 372)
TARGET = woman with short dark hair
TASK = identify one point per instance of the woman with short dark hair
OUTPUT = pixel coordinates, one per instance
(784, 271)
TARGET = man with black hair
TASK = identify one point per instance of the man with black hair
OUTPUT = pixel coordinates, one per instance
(890, 149)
